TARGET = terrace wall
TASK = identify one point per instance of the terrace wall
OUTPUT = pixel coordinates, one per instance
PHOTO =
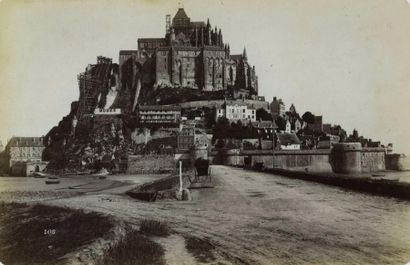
(151, 164)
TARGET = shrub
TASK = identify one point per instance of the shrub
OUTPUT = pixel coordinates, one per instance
(133, 249)
(154, 228)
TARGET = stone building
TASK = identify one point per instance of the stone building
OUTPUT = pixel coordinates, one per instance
(317, 126)
(189, 137)
(186, 138)
(264, 129)
(191, 54)
(238, 111)
(297, 125)
(277, 108)
(288, 128)
(159, 115)
(25, 155)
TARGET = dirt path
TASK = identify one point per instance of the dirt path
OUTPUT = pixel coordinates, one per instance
(258, 218)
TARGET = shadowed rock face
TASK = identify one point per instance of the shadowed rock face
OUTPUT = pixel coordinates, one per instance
(86, 138)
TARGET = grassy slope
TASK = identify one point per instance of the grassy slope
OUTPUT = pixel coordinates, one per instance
(26, 235)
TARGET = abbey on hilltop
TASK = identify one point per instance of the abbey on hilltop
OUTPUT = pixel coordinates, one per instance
(192, 54)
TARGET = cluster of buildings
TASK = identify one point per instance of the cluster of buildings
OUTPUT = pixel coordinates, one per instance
(191, 54)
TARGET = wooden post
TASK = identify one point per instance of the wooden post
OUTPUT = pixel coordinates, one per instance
(180, 176)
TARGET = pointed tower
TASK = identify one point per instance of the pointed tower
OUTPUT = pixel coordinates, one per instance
(244, 56)
(221, 44)
(215, 37)
(208, 32)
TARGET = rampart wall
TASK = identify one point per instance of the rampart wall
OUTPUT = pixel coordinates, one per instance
(395, 162)
(342, 159)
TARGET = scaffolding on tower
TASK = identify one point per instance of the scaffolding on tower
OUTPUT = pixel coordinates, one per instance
(91, 83)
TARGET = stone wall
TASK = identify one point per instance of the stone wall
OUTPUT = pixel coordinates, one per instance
(348, 158)
(151, 164)
(395, 162)
(24, 169)
(373, 159)
(352, 158)
(303, 160)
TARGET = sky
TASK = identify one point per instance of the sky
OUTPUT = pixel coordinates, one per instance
(347, 60)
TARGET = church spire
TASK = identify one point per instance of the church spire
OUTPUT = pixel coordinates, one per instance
(244, 54)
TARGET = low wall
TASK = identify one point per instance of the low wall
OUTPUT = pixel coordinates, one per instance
(150, 164)
(25, 169)
(379, 187)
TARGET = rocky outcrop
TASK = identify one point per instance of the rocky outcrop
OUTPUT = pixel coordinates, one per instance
(97, 131)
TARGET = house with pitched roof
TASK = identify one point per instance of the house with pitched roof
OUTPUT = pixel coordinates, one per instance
(287, 141)
(25, 155)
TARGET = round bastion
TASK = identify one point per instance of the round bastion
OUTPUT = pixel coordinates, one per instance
(346, 158)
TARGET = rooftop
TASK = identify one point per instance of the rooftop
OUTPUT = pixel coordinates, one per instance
(181, 14)
(25, 142)
(264, 124)
(236, 57)
(288, 138)
(123, 52)
(159, 107)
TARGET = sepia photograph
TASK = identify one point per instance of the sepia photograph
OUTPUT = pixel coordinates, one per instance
(215, 132)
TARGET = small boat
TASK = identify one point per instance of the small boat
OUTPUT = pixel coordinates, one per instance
(52, 180)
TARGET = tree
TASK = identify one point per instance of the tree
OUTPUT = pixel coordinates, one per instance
(308, 117)
(194, 113)
(262, 114)
(236, 130)
(221, 129)
(209, 116)
(281, 123)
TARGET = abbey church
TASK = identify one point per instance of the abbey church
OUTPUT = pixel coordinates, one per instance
(191, 54)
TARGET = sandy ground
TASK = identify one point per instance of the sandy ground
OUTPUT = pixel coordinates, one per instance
(259, 218)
